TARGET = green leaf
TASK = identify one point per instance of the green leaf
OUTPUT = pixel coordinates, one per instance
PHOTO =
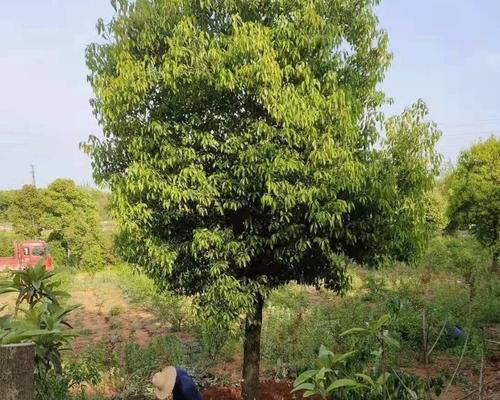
(305, 376)
(353, 331)
(303, 386)
(343, 384)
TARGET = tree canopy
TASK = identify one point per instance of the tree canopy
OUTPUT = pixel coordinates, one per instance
(474, 202)
(26, 212)
(72, 219)
(63, 214)
(243, 150)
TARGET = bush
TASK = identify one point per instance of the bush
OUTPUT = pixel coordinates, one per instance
(44, 323)
(212, 336)
(92, 258)
(141, 362)
(351, 375)
(174, 309)
(57, 252)
(167, 306)
(454, 254)
(291, 338)
(74, 379)
(7, 240)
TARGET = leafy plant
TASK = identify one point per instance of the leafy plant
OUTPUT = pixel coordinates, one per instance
(43, 322)
(343, 376)
(324, 381)
(212, 336)
(50, 320)
(140, 362)
(33, 285)
(173, 309)
(71, 383)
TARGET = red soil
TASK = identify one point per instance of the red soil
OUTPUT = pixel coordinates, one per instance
(270, 390)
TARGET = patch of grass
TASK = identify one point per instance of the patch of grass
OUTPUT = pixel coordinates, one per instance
(116, 310)
(115, 325)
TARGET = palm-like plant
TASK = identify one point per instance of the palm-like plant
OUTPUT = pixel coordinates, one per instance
(43, 322)
(33, 285)
(48, 325)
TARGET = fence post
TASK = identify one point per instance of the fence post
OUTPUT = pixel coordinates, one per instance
(17, 368)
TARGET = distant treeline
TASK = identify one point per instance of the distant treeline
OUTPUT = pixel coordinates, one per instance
(68, 217)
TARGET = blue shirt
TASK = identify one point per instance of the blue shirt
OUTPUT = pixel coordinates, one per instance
(185, 388)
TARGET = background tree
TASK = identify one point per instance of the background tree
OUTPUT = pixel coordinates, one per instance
(6, 200)
(26, 212)
(240, 146)
(474, 202)
(73, 221)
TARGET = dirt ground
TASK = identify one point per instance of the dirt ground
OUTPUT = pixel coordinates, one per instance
(106, 315)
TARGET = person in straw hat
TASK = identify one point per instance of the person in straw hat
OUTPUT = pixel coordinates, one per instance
(174, 384)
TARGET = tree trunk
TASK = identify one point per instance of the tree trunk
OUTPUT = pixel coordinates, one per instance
(17, 368)
(494, 262)
(250, 389)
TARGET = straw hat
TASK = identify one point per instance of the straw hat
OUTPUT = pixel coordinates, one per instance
(164, 382)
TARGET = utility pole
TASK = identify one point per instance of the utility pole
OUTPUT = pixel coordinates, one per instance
(32, 167)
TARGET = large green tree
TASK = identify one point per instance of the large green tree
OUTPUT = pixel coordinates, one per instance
(474, 198)
(72, 218)
(242, 151)
(26, 212)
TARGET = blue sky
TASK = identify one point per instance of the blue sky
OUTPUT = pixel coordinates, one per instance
(446, 52)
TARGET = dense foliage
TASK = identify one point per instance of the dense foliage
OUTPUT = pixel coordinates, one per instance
(26, 212)
(242, 151)
(42, 320)
(73, 221)
(474, 202)
(66, 216)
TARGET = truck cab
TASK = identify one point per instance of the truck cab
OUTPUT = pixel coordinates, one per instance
(32, 251)
(27, 254)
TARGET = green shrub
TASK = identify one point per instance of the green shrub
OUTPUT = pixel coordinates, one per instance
(212, 336)
(348, 376)
(167, 306)
(455, 254)
(57, 252)
(92, 258)
(44, 322)
(291, 338)
(291, 296)
(103, 355)
(7, 240)
(72, 383)
(174, 309)
(141, 362)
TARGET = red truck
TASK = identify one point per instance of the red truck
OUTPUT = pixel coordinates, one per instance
(26, 255)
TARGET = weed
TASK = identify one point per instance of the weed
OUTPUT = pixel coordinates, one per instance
(116, 310)
(115, 325)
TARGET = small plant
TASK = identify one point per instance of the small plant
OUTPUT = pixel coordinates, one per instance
(375, 287)
(325, 380)
(348, 377)
(116, 310)
(141, 362)
(43, 322)
(33, 285)
(212, 337)
(173, 309)
(74, 379)
(115, 325)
